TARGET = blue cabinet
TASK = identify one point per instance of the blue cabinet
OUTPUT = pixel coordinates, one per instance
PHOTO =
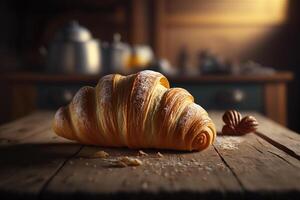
(226, 96)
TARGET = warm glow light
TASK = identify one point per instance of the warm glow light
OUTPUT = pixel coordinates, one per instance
(230, 28)
(232, 12)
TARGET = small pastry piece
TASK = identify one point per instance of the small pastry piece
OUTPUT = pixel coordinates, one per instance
(100, 154)
(247, 125)
(136, 111)
(160, 155)
(142, 153)
(236, 125)
(232, 118)
(228, 130)
(131, 161)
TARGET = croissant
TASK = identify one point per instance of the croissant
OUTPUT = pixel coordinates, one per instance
(137, 111)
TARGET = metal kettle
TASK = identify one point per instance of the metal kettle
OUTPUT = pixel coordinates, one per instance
(73, 50)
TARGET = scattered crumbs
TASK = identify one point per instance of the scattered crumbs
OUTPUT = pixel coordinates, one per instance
(166, 174)
(228, 143)
(229, 146)
(147, 162)
(208, 168)
(193, 160)
(160, 155)
(221, 165)
(142, 153)
(131, 161)
(145, 185)
(71, 162)
(196, 163)
(100, 154)
(94, 165)
(87, 164)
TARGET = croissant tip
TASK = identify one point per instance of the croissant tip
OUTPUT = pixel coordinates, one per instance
(58, 123)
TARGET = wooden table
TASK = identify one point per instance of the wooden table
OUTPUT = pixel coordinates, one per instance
(36, 163)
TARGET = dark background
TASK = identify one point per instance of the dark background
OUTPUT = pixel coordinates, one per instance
(28, 25)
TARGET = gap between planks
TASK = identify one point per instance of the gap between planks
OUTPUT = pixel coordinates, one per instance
(278, 145)
(42, 190)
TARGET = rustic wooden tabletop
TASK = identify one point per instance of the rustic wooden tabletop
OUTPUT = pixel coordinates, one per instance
(37, 164)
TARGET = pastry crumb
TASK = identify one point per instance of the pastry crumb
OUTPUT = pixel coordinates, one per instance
(100, 154)
(142, 153)
(126, 161)
(160, 155)
(145, 185)
(131, 161)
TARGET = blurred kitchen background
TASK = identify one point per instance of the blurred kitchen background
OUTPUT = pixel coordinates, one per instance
(242, 54)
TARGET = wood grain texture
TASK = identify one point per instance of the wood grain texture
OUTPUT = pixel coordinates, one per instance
(35, 163)
(30, 155)
(258, 164)
(175, 173)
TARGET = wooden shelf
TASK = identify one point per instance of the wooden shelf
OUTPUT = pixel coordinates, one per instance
(55, 78)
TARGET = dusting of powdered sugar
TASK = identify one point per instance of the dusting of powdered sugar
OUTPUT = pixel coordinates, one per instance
(228, 142)
(144, 82)
(80, 101)
(192, 110)
(105, 94)
(106, 89)
(166, 109)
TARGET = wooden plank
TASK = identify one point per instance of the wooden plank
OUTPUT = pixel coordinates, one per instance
(177, 173)
(261, 168)
(275, 97)
(51, 167)
(30, 155)
(273, 131)
(280, 76)
(278, 133)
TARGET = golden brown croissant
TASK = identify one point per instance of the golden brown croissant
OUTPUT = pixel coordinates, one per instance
(137, 111)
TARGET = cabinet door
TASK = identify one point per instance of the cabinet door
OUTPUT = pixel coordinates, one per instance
(227, 96)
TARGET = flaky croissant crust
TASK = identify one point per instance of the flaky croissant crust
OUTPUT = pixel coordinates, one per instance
(137, 111)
